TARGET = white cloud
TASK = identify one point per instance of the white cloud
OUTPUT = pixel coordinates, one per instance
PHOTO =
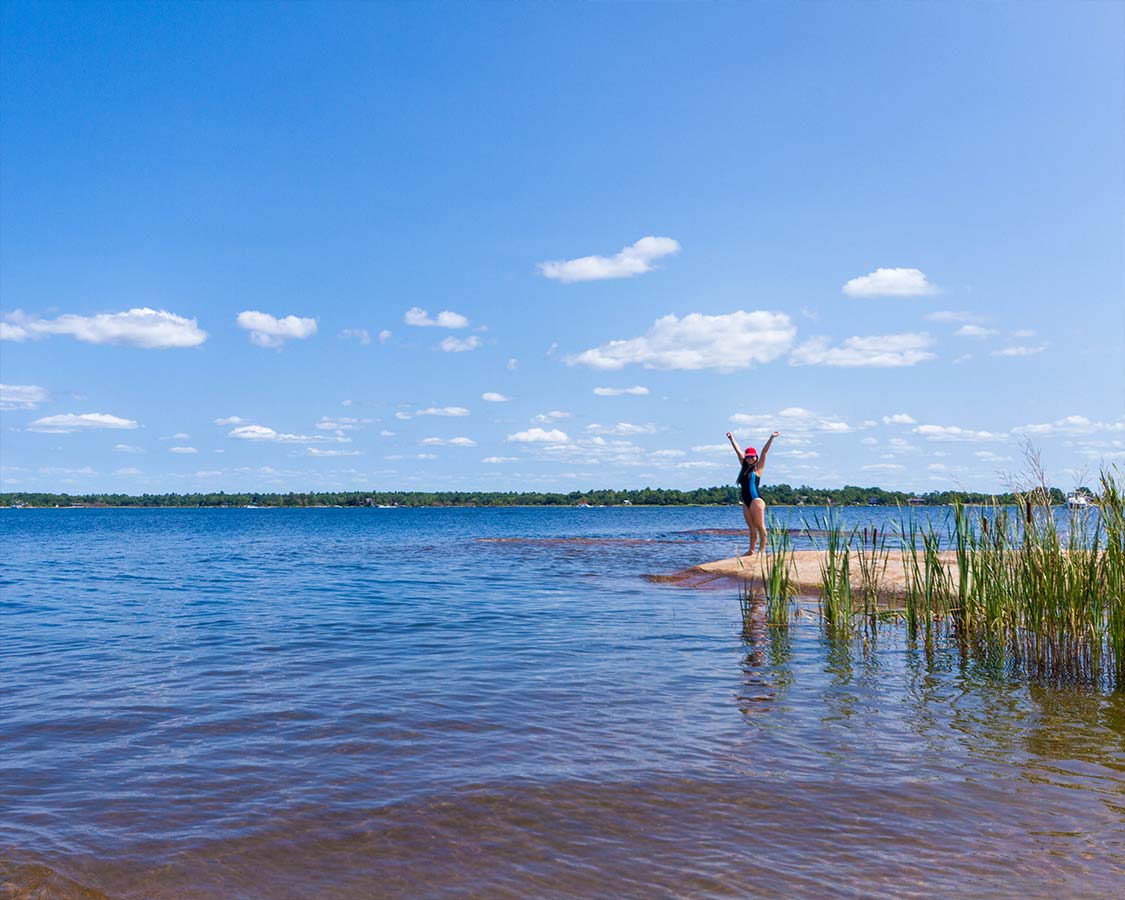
(635, 259)
(952, 316)
(955, 433)
(975, 331)
(64, 424)
(453, 411)
(795, 421)
(140, 327)
(128, 448)
(262, 433)
(318, 451)
(232, 420)
(385, 335)
(538, 435)
(182, 450)
(496, 460)
(1020, 351)
(1070, 425)
(338, 423)
(636, 391)
(899, 419)
(891, 283)
(1023, 333)
(358, 334)
(493, 397)
(445, 319)
(267, 331)
(455, 442)
(512, 364)
(22, 396)
(458, 345)
(882, 467)
(385, 433)
(989, 456)
(733, 341)
(624, 429)
(887, 350)
(548, 417)
(127, 470)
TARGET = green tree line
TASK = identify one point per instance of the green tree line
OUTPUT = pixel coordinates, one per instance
(775, 494)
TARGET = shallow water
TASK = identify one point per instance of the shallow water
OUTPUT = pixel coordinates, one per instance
(356, 703)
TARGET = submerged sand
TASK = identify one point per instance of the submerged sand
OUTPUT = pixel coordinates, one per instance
(804, 570)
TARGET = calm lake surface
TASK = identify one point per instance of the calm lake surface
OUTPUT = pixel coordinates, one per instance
(392, 703)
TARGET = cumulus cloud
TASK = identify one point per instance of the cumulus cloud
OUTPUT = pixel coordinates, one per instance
(1020, 351)
(890, 283)
(385, 335)
(899, 419)
(453, 411)
(496, 460)
(262, 433)
(445, 319)
(624, 429)
(453, 442)
(538, 435)
(955, 433)
(151, 329)
(22, 396)
(493, 397)
(733, 341)
(952, 316)
(460, 345)
(886, 350)
(338, 423)
(548, 417)
(127, 448)
(635, 259)
(66, 423)
(182, 450)
(232, 420)
(319, 451)
(355, 334)
(1069, 425)
(975, 331)
(267, 331)
(636, 391)
(794, 422)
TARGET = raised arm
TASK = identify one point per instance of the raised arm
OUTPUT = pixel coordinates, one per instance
(766, 449)
(730, 437)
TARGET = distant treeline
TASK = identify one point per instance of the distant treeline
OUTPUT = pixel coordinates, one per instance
(776, 494)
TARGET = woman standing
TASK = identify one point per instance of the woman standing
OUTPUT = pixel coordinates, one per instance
(749, 479)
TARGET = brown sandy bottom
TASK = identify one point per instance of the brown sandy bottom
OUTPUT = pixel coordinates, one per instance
(804, 570)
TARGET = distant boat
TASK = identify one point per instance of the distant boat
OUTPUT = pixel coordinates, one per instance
(1075, 500)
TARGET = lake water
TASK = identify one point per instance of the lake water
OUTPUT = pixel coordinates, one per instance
(394, 703)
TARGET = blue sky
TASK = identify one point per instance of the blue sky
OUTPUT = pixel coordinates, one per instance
(530, 246)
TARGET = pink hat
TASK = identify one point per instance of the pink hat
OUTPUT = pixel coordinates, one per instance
(750, 451)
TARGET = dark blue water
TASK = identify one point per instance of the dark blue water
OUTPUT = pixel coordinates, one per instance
(452, 702)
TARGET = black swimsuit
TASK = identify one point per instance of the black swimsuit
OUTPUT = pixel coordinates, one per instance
(748, 481)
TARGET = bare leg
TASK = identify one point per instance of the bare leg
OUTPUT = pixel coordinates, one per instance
(749, 524)
(757, 519)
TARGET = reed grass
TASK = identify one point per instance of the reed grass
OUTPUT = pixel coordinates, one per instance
(1017, 587)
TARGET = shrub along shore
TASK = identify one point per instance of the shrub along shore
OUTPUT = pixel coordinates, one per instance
(775, 495)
